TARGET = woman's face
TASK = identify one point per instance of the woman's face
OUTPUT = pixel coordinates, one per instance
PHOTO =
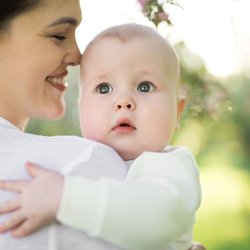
(35, 53)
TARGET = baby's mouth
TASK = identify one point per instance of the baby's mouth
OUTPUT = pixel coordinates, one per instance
(124, 127)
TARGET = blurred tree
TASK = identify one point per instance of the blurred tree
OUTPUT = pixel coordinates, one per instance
(155, 12)
(240, 93)
(206, 95)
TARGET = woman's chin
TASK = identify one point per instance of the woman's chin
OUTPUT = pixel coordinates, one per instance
(55, 113)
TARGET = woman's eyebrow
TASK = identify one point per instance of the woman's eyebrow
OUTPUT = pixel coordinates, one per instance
(64, 20)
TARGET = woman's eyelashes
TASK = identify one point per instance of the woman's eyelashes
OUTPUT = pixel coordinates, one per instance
(59, 37)
(56, 37)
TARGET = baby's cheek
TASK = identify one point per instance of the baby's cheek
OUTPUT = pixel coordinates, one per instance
(87, 131)
(88, 124)
(92, 133)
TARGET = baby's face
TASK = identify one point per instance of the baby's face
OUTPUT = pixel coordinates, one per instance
(128, 96)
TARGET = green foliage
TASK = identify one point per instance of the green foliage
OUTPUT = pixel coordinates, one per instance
(223, 220)
(207, 97)
(240, 93)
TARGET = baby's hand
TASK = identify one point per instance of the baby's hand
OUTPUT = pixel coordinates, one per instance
(36, 204)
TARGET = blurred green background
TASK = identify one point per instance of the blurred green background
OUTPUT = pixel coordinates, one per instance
(216, 127)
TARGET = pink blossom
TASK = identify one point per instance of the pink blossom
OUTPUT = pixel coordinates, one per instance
(142, 2)
(164, 16)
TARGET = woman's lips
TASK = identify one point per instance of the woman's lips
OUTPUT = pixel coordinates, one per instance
(58, 81)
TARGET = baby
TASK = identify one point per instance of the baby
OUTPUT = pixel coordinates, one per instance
(129, 100)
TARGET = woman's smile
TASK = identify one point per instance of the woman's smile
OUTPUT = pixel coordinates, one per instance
(58, 81)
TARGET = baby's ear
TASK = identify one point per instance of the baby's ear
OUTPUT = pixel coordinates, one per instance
(181, 104)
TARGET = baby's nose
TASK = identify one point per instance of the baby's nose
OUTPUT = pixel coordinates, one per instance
(125, 103)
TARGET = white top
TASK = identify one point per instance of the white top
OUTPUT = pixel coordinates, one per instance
(17, 147)
(153, 209)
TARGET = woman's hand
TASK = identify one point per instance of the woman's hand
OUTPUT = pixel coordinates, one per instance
(36, 204)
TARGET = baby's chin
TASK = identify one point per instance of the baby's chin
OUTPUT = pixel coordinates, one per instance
(128, 156)
(133, 154)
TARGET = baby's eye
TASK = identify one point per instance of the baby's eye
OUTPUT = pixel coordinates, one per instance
(145, 87)
(104, 88)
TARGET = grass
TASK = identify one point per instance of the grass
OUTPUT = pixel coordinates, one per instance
(223, 221)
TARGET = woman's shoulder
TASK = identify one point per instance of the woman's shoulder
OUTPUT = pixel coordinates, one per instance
(59, 140)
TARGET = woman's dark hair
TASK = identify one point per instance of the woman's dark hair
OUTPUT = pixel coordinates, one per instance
(9, 9)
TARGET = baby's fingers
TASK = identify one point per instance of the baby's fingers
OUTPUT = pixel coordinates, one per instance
(13, 186)
(10, 206)
(26, 228)
(15, 220)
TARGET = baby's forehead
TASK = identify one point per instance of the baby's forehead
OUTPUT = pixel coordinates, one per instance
(130, 31)
(141, 39)
(141, 35)
(133, 34)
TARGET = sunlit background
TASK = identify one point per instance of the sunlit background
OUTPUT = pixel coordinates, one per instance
(213, 41)
(216, 30)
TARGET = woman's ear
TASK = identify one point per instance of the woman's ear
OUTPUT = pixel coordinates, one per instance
(181, 104)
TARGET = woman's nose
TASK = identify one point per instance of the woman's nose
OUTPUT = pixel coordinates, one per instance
(125, 103)
(73, 55)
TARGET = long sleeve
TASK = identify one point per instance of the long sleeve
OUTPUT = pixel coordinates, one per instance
(154, 206)
(55, 153)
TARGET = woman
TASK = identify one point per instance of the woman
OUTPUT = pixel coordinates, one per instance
(37, 44)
